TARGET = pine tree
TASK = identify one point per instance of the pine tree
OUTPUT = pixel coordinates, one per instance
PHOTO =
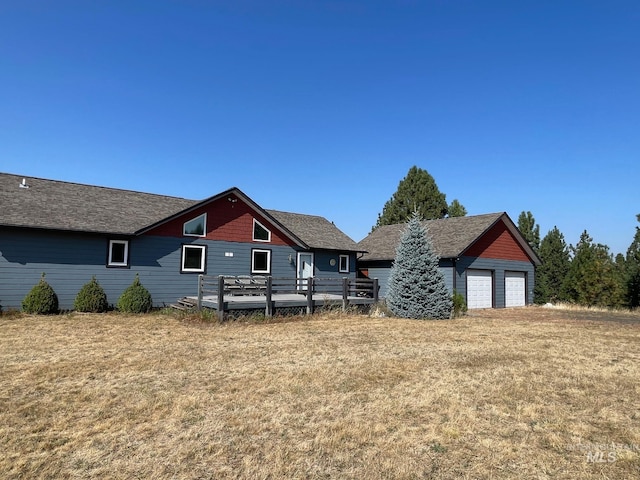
(456, 209)
(591, 279)
(416, 192)
(550, 276)
(530, 230)
(416, 284)
(632, 268)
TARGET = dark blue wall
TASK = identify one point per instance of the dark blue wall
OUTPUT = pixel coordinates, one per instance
(71, 259)
(455, 275)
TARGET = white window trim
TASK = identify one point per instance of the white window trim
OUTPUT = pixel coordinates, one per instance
(110, 261)
(204, 229)
(203, 259)
(253, 233)
(340, 269)
(253, 252)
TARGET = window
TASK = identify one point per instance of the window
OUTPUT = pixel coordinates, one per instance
(118, 253)
(195, 227)
(193, 258)
(344, 263)
(260, 232)
(260, 261)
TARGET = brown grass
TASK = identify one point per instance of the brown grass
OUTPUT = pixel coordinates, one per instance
(518, 393)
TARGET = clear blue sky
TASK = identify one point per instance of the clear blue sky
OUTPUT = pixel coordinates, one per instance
(322, 107)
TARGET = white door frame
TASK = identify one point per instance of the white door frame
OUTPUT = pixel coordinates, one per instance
(305, 267)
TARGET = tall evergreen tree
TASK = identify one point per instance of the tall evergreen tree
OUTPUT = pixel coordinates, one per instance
(416, 192)
(591, 279)
(456, 209)
(550, 276)
(632, 267)
(416, 284)
(530, 230)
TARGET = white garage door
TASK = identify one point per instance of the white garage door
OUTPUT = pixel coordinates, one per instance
(514, 289)
(479, 289)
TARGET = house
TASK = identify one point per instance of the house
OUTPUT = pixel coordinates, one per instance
(72, 232)
(484, 257)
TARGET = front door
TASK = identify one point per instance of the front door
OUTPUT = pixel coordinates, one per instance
(305, 269)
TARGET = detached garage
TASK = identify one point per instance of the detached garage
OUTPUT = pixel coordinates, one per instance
(483, 257)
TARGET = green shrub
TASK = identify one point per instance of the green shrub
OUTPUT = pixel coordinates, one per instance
(135, 299)
(459, 305)
(41, 299)
(91, 298)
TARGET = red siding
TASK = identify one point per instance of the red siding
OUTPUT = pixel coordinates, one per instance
(498, 243)
(227, 221)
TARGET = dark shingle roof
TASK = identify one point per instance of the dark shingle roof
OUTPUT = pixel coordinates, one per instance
(51, 204)
(56, 205)
(315, 231)
(450, 236)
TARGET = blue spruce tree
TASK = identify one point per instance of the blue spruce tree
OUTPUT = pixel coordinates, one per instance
(416, 285)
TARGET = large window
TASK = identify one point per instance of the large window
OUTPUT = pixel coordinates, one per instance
(344, 263)
(195, 227)
(118, 253)
(260, 232)
(260, 261)
(193, 258)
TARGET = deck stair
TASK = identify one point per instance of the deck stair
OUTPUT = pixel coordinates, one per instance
(184, 304)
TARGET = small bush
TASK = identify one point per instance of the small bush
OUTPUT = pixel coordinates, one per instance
(135, 299)
(41, 299)
(459, 305)
(91, 298)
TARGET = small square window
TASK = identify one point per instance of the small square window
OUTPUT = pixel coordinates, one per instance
(260, 232)
(118, 253)
(344, 263)
(195, 227)
(260, 261)
(193, 258)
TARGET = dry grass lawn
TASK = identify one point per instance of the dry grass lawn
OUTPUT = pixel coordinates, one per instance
(518, 393)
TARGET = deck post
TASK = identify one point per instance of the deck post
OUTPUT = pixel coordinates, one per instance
(345, 293)
(268, 309)
(221, 297)
(200, 291)
(375, 290)
(309, 295)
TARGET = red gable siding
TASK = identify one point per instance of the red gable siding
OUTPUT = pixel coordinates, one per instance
(498, 243)
(230, 221)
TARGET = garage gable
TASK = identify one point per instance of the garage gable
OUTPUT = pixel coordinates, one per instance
(498, 242)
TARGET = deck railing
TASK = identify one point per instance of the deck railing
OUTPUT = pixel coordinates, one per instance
(229, 285)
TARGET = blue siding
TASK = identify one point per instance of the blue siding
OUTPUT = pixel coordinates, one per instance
(498, 267)
(324, 269)
(382, 272)
(70, 260)
(455, 275)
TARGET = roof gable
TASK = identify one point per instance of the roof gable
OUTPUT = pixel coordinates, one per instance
(228, 218)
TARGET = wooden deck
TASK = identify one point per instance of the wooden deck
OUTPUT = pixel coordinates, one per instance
(279, 300)
(237, 293)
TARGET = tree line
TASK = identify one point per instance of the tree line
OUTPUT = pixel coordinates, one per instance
(585, 274)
